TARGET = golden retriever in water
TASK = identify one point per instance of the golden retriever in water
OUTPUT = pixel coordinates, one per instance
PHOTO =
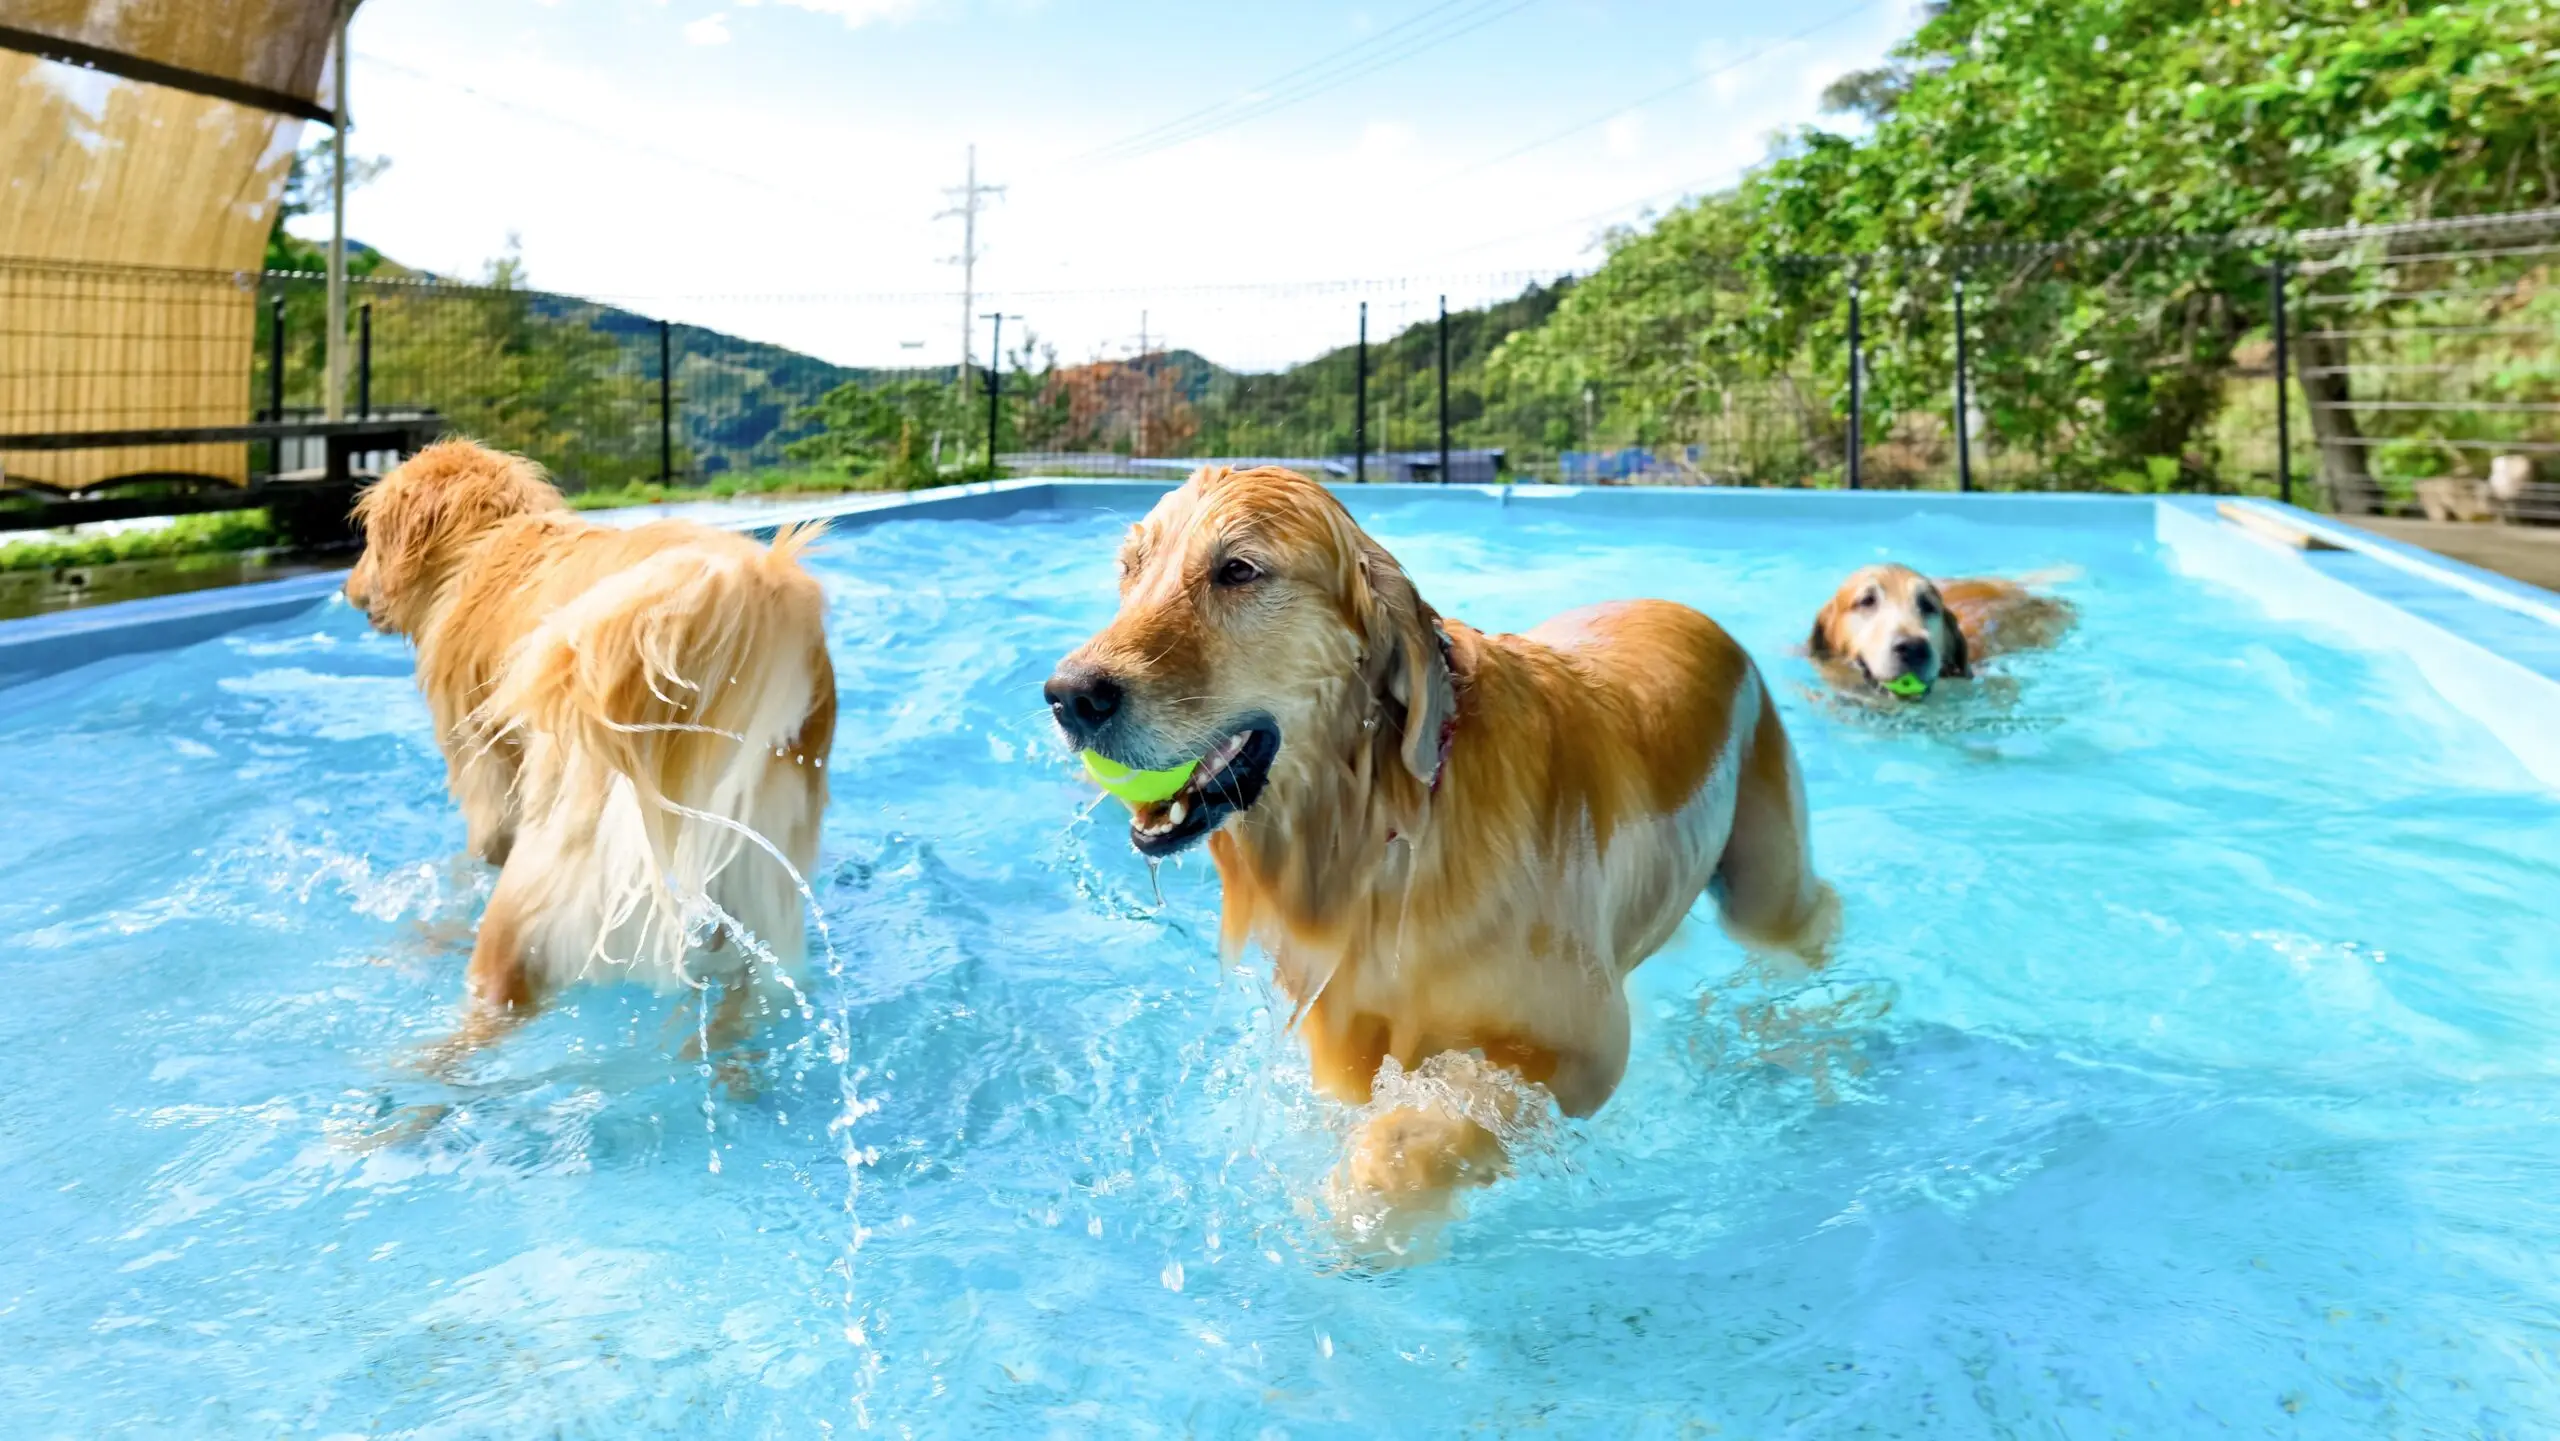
(1889, 626)
(635, 725)
(1455, 846)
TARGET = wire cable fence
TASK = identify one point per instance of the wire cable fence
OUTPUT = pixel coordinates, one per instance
(2386, 367)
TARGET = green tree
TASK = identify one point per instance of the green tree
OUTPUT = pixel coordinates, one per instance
(897, 430)
(2003, 123)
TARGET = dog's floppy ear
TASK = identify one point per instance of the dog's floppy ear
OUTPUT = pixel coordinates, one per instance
(1818, 644)
(1406, 662)
(1954, 658)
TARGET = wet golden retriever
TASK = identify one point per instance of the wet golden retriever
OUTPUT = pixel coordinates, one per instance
(634, 723)
(1891, 631)
(1455, 846)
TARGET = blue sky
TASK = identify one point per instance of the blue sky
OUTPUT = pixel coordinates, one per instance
(774, 167)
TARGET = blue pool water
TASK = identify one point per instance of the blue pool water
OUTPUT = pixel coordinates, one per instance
(2190, 1066)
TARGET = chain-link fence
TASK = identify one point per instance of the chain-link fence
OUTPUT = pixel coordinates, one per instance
(2409, 365)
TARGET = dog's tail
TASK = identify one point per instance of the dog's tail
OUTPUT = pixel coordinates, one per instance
(679, 711)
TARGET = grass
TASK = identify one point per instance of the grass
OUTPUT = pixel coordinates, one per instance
(233, 530)
(239, 530)
(777, 484)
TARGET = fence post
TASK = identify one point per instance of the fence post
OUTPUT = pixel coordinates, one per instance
(1444, 390)
(1360, 404)
(275, 378)
(666, 402)
(1857, 390)
(995, 390)
(1964, 402)
(275, 358)
(364, 361)
(2284, 423)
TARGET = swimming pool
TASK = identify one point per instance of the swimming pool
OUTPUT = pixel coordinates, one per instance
(2188, 1065)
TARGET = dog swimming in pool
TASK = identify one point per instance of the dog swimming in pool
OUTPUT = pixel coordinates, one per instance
(1890, 631)
(635, 724)
(1455, 846)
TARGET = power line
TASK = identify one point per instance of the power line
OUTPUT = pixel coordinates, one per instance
(606, 137)
(1467, 21)
(1258, 92)
(1665, 93)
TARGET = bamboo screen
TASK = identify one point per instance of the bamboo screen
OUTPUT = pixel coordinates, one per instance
(112, 188)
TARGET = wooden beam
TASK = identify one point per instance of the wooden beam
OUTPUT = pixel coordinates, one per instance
(153, 72)
(2272, 527)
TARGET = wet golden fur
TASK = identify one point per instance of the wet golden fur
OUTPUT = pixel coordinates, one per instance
(1890, 620)
(1477, 917)
(618, 709)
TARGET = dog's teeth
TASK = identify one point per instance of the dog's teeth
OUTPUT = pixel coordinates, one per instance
(1179, 810)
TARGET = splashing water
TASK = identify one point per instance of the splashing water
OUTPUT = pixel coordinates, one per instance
(2184, 1067)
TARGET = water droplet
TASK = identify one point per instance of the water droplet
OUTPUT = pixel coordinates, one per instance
(1172, 1276)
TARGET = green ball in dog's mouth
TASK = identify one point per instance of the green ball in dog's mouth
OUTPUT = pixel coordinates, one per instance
(1136, 788)
(1909, 687)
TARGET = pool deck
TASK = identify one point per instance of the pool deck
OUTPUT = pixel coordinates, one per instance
(2490, 644)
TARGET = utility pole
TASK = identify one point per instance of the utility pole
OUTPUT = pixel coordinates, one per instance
(968, 195)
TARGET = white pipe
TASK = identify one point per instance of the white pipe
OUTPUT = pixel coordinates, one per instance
(334, 398)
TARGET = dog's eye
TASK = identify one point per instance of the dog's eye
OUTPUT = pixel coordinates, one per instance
(1928, 606)
(1236, 570)
(1867, 601)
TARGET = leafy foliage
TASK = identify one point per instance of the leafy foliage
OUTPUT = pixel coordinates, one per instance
(2009, 122)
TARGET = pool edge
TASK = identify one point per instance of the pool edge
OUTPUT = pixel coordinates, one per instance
(2494, 660)
(2489, 645)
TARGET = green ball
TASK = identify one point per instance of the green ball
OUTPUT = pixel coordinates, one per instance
(1909, 687)
(1137, 788)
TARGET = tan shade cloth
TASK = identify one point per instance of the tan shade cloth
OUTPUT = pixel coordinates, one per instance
(280, 45)
(102, 175)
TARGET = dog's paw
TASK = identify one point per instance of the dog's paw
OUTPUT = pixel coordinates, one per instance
(1417, 1157)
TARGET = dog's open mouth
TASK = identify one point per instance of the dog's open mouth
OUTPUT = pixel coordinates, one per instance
(1906, 686)
(1229, 779)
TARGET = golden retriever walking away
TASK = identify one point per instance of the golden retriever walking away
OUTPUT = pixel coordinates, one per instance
(1455, 846)
(635, 724)
(1889, 630)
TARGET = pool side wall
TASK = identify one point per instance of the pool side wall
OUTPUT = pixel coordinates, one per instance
(2489, 645)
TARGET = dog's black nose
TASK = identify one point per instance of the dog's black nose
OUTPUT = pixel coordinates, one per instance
(1912, 652)
(1083, 698)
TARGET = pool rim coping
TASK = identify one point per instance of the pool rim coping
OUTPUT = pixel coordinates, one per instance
(39, 647)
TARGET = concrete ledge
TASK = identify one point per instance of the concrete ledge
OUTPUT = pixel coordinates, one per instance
(2488, 645)
(43, 645)
(40, 646)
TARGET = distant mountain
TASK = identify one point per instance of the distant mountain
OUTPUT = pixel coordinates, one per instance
(735, 397)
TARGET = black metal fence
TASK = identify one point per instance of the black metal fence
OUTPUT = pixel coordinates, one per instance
(2351, 368)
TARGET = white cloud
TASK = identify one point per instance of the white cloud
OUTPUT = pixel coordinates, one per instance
(1384, 139)
(709, 30)
(837, 196)
(858, 13)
